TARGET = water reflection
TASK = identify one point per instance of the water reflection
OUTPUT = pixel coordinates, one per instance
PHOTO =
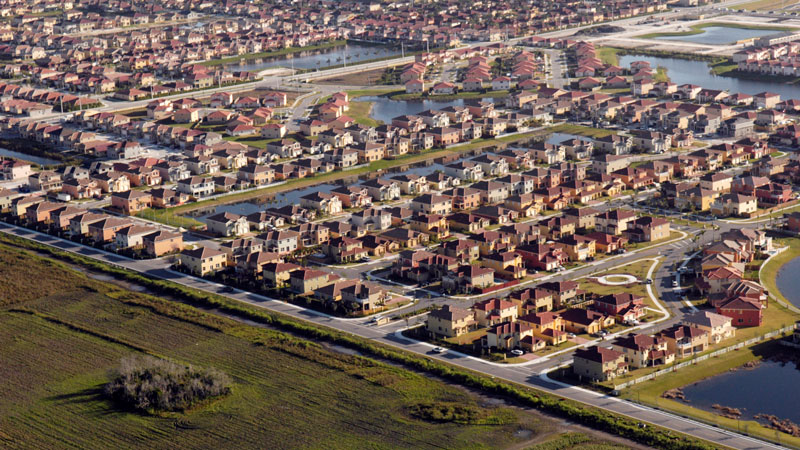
(719, 35)
(385, 109)
(760, 390)
(683, 71)
(314, 59)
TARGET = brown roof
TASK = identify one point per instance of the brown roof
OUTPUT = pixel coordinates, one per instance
(598, 354)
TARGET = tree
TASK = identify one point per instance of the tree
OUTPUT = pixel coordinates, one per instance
(151, 384)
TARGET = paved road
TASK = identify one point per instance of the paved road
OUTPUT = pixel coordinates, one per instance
(387, 335)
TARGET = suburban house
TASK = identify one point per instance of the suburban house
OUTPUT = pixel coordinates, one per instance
(450, 321)
(599, 363)
(641, 350)
(227, 224)
(683, 340)
(203, 260)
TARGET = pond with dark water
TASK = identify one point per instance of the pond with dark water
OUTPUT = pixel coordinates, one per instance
(320, 59)
(719, 35)
(385, 109)
(771, 387)
(684, 71)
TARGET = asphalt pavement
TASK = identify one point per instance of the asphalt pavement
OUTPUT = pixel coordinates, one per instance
(389, 335)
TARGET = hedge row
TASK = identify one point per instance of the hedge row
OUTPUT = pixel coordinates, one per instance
(590, 416)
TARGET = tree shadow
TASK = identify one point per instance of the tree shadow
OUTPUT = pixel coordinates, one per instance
(93, 400)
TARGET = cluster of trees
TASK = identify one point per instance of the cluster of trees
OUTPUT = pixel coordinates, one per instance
(154, 385)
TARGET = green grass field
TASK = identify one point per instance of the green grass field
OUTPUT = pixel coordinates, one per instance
(581, 130)
(60, 337)
(608, 55)
(360, 111)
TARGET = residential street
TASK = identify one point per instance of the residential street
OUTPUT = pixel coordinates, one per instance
(527, 374)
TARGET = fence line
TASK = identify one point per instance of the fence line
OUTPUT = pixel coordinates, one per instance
(698, 359)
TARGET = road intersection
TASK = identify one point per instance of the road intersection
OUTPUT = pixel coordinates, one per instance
(533, 374)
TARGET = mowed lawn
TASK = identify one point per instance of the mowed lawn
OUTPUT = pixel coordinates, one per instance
(64, 333)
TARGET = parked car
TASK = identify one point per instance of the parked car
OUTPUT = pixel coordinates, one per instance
(517, 352)
(571, 335)
(674, 283)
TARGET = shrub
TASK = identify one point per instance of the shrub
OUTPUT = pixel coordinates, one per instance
(154, 385)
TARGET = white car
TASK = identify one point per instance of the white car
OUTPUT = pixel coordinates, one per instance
(516, 352)
(438, 350)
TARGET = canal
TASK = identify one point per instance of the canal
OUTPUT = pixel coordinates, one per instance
(385, 109)
(319, 59)
(719, 35)
(684, 71)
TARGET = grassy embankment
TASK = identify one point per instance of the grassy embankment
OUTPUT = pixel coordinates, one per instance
(580, 130)
(60, 337)
(652, 436)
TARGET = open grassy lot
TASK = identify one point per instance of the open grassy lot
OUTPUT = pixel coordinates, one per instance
(581, 130)
(609, 55)
(58, 346)
(364, 78)
(575, 441)
(360, 111)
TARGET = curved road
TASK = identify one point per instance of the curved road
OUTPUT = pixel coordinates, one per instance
(525, 375)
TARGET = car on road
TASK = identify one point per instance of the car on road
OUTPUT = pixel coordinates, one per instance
(517, 352)
(375, 319)
(438, 350)
(648, 281)
(227, 289)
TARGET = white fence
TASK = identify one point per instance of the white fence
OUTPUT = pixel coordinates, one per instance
(704, 357)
